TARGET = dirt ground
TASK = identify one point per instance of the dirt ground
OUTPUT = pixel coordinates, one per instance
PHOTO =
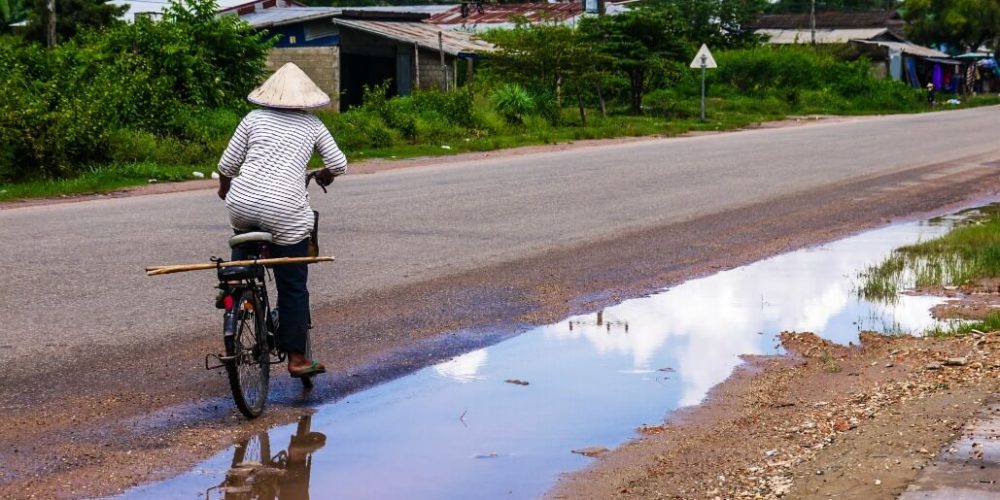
(96, 433)
(827, 421)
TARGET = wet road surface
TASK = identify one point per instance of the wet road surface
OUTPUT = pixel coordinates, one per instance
(510, 241)
(502, 421)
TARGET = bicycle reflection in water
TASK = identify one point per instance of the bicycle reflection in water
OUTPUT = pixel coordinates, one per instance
(255, 474)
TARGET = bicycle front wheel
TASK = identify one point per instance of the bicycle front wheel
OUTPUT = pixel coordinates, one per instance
(249, 367)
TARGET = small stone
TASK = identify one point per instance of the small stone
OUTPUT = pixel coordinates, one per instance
(933, 365)
(593, 451)
(956, 361)
(842, 425)
(197, 175)
(215, 175)
(878, 482)
(819, 473)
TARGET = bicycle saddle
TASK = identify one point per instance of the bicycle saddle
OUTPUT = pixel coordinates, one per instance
(252, 237)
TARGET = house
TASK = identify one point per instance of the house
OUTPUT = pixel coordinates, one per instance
(879, 35)
(410, 53)
(307, 37)
(832, 27)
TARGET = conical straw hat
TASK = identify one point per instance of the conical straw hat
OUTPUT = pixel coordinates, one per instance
(290, 88)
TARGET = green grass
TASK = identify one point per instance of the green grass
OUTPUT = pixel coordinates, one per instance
(102, 179)
(598, 127)
(959, 328)
(154, 158)
(962, 256)
(968, 253)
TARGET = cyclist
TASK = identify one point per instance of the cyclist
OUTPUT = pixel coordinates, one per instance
(262, 178)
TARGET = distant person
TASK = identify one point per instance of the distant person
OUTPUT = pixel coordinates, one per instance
(931, 95)
(262, 178)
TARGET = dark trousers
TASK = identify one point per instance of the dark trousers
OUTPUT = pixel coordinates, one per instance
(293, 296)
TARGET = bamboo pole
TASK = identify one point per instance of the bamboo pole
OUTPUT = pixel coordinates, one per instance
(180, 268)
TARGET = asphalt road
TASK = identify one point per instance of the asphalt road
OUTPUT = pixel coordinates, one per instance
(73, 273)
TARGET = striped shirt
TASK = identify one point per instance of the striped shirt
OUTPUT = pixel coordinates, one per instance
(267, 159)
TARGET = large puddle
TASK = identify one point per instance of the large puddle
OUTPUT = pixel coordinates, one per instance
(503, 421)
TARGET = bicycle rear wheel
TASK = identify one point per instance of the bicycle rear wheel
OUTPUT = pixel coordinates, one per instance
(249, 367)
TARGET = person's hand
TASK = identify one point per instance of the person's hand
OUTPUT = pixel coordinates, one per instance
(224, 183)
(324, 177)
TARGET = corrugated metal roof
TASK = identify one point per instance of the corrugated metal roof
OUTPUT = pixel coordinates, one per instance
(493, 14)
(226, 5)
(422, 34)
(288, 15)
(828, 20)
(909, 48)
(822, 36)
(416, 9)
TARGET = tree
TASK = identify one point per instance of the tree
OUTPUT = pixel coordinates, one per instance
(961, 25)
(72, 16)
(638, 43)
(208, 60)
(718, 23)
(548, 59)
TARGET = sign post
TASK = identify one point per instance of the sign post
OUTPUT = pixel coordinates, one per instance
(704, 60)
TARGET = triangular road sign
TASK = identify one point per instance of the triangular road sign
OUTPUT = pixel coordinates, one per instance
(703, 59)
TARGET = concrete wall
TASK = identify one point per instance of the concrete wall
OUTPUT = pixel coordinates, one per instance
(322, 64)
(431, 75)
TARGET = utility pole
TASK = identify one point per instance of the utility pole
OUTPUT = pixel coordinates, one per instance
(704, 66)
(444, 68)
(812, 21)
(50, 35)
(416, 66)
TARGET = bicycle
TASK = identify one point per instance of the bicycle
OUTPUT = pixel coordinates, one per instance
(250, 326)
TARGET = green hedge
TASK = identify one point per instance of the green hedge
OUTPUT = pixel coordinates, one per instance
(129, 91)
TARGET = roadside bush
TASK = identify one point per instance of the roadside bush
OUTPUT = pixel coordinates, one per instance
(663, 103)
(205, 125)
(513, 102)
(807, 79)
(358, 129)
(455, 107)
(759, 70)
